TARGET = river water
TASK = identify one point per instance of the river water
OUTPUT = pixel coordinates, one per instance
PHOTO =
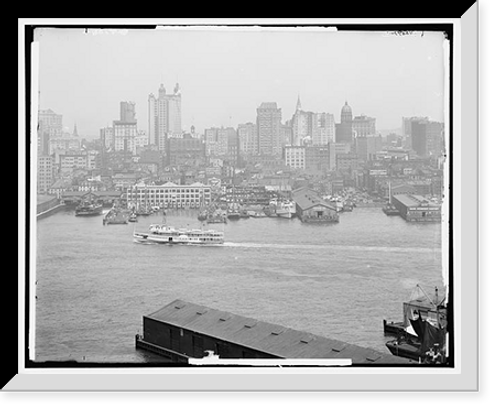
(340, 281)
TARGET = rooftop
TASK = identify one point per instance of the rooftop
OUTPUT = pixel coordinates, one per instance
(414, 200)
(266, 337)
(307, 198)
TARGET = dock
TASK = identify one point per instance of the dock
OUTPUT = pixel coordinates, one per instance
(182, 330)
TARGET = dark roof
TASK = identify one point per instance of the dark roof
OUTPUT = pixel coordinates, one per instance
(307, 198)
(270, 338)
(414, 200)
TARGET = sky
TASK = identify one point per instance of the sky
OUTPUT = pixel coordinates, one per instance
(225, 74)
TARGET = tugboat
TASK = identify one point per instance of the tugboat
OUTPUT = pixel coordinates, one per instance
(422, 333)
(116, 216)
(233, 211)
(216, 218)
(286, 209)
(390, 210)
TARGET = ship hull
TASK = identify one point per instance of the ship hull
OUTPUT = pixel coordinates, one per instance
(97, 211)
(172, 240)
(284, 214)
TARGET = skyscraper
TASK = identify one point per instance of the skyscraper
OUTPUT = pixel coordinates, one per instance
(301, 124)
(247, 134)
(427, 137)
(164, 117)
(268, 129)
(322, 128)
(363, 126)
(344, 128)
(125, 129)
(49, 127)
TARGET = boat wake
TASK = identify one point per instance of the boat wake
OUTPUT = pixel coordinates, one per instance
(331, 247)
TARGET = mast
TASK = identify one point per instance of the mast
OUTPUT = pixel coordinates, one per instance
(430, 300)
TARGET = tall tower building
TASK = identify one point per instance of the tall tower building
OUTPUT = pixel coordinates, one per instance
(301, 124)
(268, 129)
(427, 138)
(344, 128)
(125, 129)
(164, 117)
(49, 127)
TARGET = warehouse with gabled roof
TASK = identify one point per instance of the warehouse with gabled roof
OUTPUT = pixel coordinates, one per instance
(183, 330)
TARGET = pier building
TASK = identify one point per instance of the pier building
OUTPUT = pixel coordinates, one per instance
(416, 208)
(183, 330)
(312, 208)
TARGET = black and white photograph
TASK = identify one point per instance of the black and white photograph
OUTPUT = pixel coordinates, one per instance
(217, 197)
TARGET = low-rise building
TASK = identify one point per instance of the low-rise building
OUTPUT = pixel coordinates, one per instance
(312, 208)
(416, 208)
(170, 195)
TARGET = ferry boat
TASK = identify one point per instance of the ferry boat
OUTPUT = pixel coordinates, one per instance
(163, 234)
(86, 208)
(286, 209)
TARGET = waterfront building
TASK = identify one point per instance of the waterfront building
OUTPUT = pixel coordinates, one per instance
(247, 135)
(164, 115)
(170, 195)
(416, 208)
(312, 208)
(182, 330)
(363, 126)
(344, 131)
(268, 129)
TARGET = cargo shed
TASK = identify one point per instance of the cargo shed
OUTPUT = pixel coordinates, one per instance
(183, 330)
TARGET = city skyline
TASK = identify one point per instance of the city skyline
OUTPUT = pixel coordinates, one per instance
(224, 75)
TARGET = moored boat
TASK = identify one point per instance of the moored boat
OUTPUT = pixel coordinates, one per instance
(285, 209)
(390, 209)
(116, 216)
(422, 333)
(217, 218)
(88, 208)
